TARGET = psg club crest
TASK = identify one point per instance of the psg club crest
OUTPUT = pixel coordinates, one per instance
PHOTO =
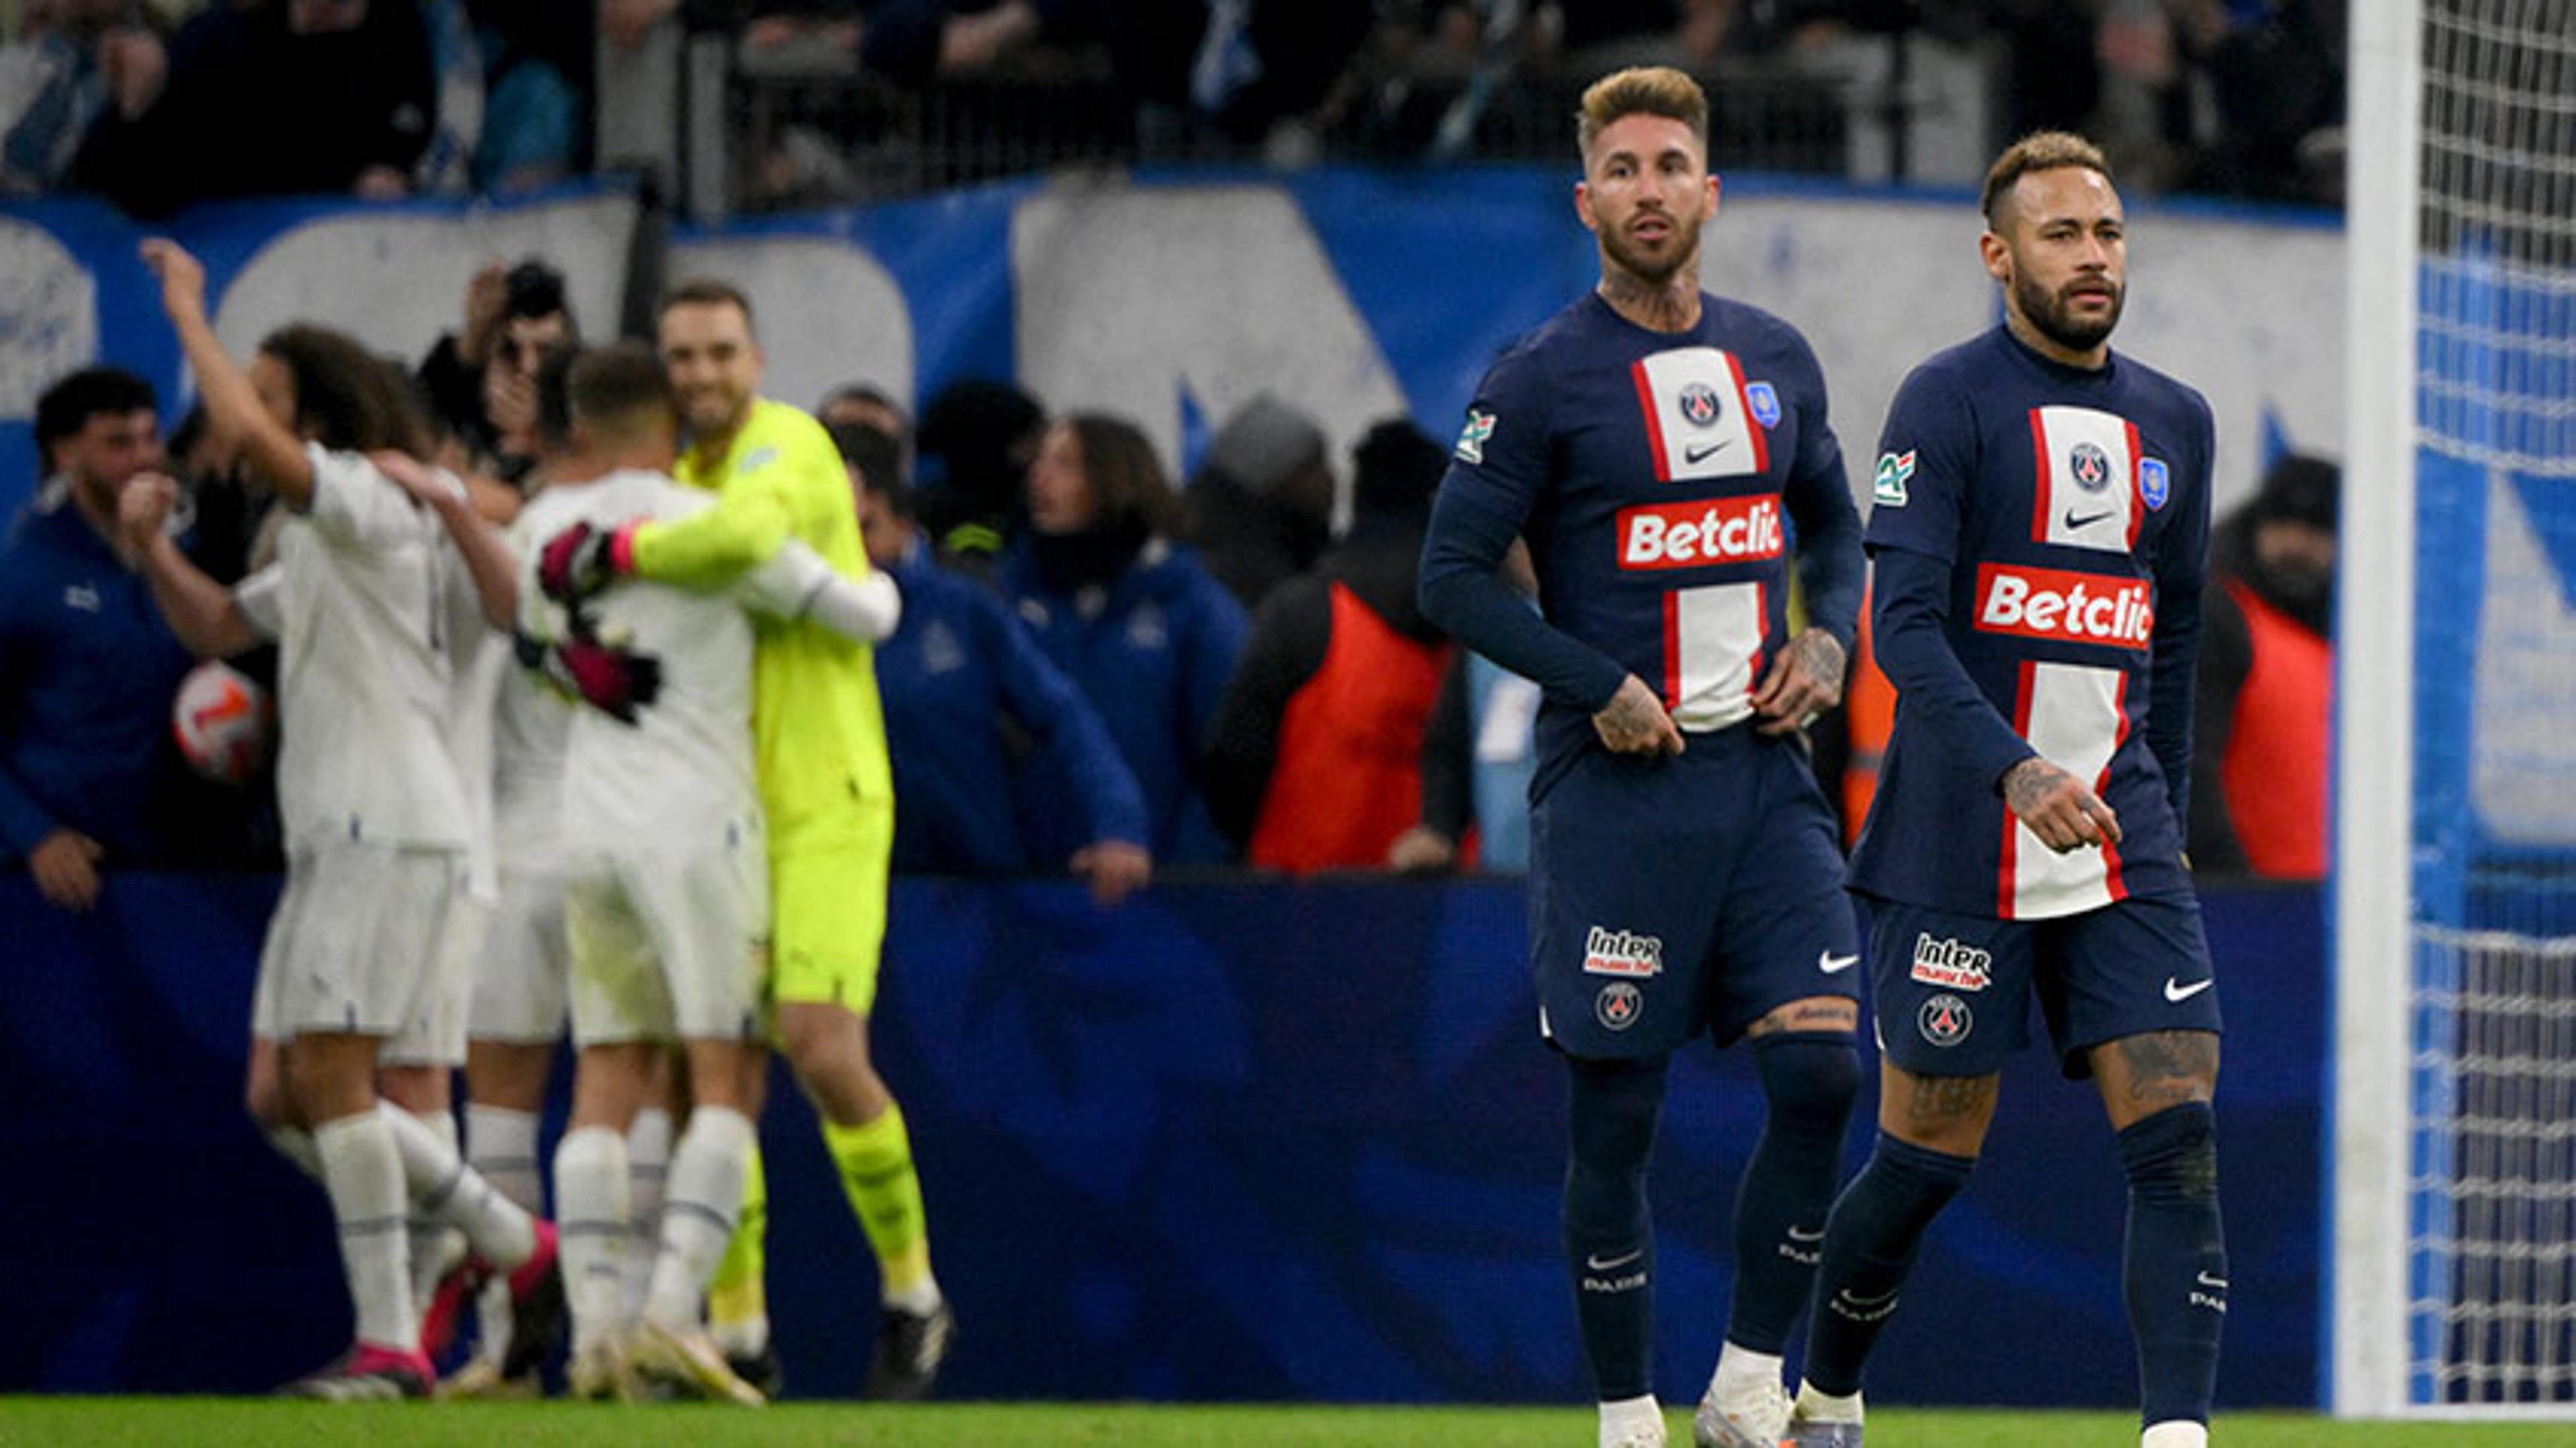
(1618, 1005)
(2090, 467)
(1699, 405)
(1764, 402)
(1944, 1020)
(2153, 483)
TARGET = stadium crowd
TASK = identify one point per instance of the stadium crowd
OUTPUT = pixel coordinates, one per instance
(1080, 666)
(157, 103)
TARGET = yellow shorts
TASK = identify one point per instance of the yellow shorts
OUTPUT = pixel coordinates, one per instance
(828, 921)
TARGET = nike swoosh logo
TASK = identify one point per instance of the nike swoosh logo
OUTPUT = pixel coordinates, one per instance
(2208, 1281)
(2075, 520)
(1865, 1302)
(1832, 964)
(1612, 1264)
(2177, 992)
(1795, 1235)
(1696, 454)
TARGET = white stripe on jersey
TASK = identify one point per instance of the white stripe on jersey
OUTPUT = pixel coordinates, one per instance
(1712, 645)
(2088, 479)
(2075, 717)
(1697, 421)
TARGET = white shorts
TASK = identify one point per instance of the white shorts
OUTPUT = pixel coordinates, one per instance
(522, 979)
(670, 945)
(371, 940)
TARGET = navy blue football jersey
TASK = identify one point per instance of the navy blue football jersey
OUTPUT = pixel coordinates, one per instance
(2070, 507)
(1660, 478)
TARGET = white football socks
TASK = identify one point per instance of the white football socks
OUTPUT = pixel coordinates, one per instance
(434, 1244)
(648, 1169)
(456, 1194)
(363, 1175)
(699, 1212)
(501, 1143)
(593, 1217)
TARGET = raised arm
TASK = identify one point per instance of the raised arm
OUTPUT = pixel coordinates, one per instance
(201, 612)
(488, 556)
(233, 409)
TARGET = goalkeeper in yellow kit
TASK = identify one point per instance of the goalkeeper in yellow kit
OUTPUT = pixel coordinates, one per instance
(819, 736)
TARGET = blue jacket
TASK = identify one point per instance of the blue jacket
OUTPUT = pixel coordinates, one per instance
(971, 703)
(88, 670)
(1152, 652)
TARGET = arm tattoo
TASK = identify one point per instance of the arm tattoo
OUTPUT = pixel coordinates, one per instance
(1823, 659)
(2027, 781)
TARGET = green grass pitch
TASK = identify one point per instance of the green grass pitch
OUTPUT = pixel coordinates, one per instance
(109, 1422)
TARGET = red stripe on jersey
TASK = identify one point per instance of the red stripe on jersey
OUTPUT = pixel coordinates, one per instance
(1672, 647)
(1744, 409)
(2137, 520)
(1762, 626)
(2102, 783)
(2039, 483)
(1655, 440)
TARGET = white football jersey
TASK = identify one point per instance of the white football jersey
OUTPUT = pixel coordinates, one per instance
(530, 720)
(357, 603)
(686, 763)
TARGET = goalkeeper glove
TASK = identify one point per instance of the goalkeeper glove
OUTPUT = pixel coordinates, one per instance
(582, 560)
(614, 680)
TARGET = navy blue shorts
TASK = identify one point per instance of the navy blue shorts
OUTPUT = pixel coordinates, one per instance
(1953, 991)
(1674, 896)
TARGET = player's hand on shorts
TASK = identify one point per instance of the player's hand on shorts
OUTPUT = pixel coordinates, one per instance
(2058, 808)
(1636, 722)
(1804, 681)
(581, 560)
(183, 278)
(65, 864)
(610, 678)
(1115, 868)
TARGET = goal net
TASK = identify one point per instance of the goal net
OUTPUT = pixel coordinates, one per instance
(2455, 1163)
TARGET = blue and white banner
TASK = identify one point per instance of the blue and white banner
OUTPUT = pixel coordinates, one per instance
(1175, 300)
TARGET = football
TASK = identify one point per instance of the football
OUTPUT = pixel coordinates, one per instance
(223, 720)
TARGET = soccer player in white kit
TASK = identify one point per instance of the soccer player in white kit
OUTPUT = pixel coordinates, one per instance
(358, 972)
(665, 869)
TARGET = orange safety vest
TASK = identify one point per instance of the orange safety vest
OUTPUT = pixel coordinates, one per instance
(1869, 714)
(2278, 744)
(1349, 774)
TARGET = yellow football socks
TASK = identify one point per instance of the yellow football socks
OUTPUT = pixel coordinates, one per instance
(738, 1298)
(876, 1171)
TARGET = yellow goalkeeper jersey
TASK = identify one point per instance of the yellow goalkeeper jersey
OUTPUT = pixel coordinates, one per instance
(817, 727)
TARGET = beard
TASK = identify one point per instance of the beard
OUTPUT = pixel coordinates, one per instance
(1655, 271)
(2051, 314)
(711, 411)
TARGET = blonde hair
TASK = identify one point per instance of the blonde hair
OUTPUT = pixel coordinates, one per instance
(2039, 151)
(1647, 90)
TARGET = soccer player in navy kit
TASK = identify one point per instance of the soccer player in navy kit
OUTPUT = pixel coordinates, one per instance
(2040, 532)
(1657, 446)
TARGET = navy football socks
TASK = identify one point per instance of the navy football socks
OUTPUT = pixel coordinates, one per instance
(1780, 1207)
(1870, 1242)
(2174, 1266)
(1609, 1235)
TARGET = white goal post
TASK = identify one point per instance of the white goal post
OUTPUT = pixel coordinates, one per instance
(2452, 1145)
